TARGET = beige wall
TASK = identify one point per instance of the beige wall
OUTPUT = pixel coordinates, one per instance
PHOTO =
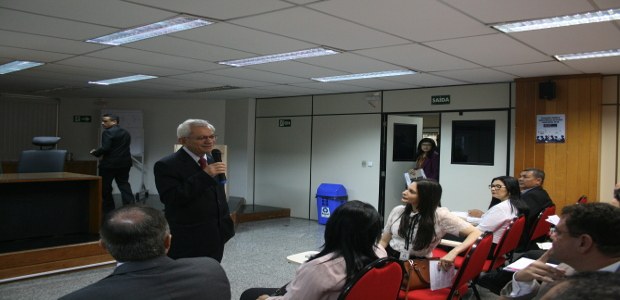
(610, 134)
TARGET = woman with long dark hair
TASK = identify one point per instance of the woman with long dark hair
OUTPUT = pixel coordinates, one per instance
(427, 159)
(351, 236)
(506, 195)
(416, 228)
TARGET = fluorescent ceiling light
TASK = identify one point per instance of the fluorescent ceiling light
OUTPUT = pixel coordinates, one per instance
(279, 57)
(585, 18)
(18, 65)
(152, 30)
(365, 75)
(122, 79)
(585, 55)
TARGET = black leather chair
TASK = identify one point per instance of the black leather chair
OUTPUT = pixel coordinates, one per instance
(46, 159)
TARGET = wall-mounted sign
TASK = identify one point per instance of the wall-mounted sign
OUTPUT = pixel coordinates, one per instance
(550, 129)
(284, 123)
(82, 119)
(440, 99)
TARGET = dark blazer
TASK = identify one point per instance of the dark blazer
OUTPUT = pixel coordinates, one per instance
(115, 142)
(195, 207)
(536, 200)
(160, 278)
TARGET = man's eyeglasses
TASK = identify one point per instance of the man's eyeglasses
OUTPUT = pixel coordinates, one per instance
(204, 137)
(497, 186)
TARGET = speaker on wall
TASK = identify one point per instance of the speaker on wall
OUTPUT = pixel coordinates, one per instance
(546, 90)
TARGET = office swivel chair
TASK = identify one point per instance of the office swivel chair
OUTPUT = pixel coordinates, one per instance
(46, 159)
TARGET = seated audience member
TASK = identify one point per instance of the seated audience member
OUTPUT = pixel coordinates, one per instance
(351, 236)
(416, 228)
(586, 239)
(585, 286)
(505, 191)
(534, 196)
(138, 238)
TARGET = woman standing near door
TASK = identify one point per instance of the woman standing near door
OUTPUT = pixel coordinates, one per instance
(427, 159)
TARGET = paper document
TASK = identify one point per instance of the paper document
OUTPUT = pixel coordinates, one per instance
(440, 279)
(300, 258)
(449, 243)
(553, 219)
(544, 246)
(521, 264)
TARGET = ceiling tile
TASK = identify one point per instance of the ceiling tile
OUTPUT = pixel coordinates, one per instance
(320, 29)
(403, 18)
(490, 50)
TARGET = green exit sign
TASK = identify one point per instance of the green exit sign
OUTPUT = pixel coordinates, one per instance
(82, 119)
(284, 123)
(440, 99)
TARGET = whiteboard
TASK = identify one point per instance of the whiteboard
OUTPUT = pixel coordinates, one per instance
(131, 120)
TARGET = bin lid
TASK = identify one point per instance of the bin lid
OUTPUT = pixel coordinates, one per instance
(331, 190)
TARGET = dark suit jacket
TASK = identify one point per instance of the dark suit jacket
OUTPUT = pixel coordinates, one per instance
(160, 278)
(536, 199)
(195, 207)
(115, 142)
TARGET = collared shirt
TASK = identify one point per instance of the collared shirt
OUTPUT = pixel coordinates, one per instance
(194, 156)
(520, 288)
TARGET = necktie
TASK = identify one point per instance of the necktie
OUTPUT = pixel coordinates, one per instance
(203, 162)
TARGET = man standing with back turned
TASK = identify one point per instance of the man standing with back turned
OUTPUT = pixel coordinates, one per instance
(115, 162)
(195, 201)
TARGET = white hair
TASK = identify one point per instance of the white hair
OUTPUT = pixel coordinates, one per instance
(185, 128)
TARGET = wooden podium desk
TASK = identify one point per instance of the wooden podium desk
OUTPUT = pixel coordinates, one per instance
(48, 221)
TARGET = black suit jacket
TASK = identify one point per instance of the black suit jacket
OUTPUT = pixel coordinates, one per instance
(195, 207)
(115, 142)
(536, 200)
(160, 278)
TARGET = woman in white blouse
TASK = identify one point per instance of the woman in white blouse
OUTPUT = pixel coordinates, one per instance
(506, 204)
(416, 228)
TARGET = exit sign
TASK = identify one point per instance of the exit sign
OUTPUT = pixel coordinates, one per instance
(82, 119)
(440, 99)
(284, 123)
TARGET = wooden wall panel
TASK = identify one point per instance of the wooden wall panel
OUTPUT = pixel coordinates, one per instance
(571, 168)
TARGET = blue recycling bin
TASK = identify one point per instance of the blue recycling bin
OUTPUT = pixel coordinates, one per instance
(328, 197)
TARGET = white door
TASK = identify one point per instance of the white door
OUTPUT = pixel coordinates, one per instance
(465, 186)
(394, 170)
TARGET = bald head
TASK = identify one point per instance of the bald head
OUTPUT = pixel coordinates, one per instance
(135, 232)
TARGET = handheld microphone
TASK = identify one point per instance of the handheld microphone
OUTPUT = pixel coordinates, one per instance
(217, 157)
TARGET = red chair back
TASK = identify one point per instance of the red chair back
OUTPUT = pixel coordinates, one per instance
(473, 263)
(508, 243)
(380, 279)
(541, 227)
(582, 200)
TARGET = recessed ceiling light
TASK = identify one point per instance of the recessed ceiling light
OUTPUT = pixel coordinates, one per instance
(568, 20)
(365, 75)
(152, 30)
(122, 79)
(279, 57)
(585, 55)
(18, 65)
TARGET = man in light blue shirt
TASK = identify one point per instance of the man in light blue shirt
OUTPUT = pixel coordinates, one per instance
(585, 239)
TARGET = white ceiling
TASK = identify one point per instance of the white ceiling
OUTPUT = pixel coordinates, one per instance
(449, 42)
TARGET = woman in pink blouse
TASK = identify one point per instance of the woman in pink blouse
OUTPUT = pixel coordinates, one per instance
(351, 236)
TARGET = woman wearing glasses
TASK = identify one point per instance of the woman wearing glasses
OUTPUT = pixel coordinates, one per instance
(506, 195)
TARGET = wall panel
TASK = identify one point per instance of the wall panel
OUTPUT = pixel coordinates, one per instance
(572, 168)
